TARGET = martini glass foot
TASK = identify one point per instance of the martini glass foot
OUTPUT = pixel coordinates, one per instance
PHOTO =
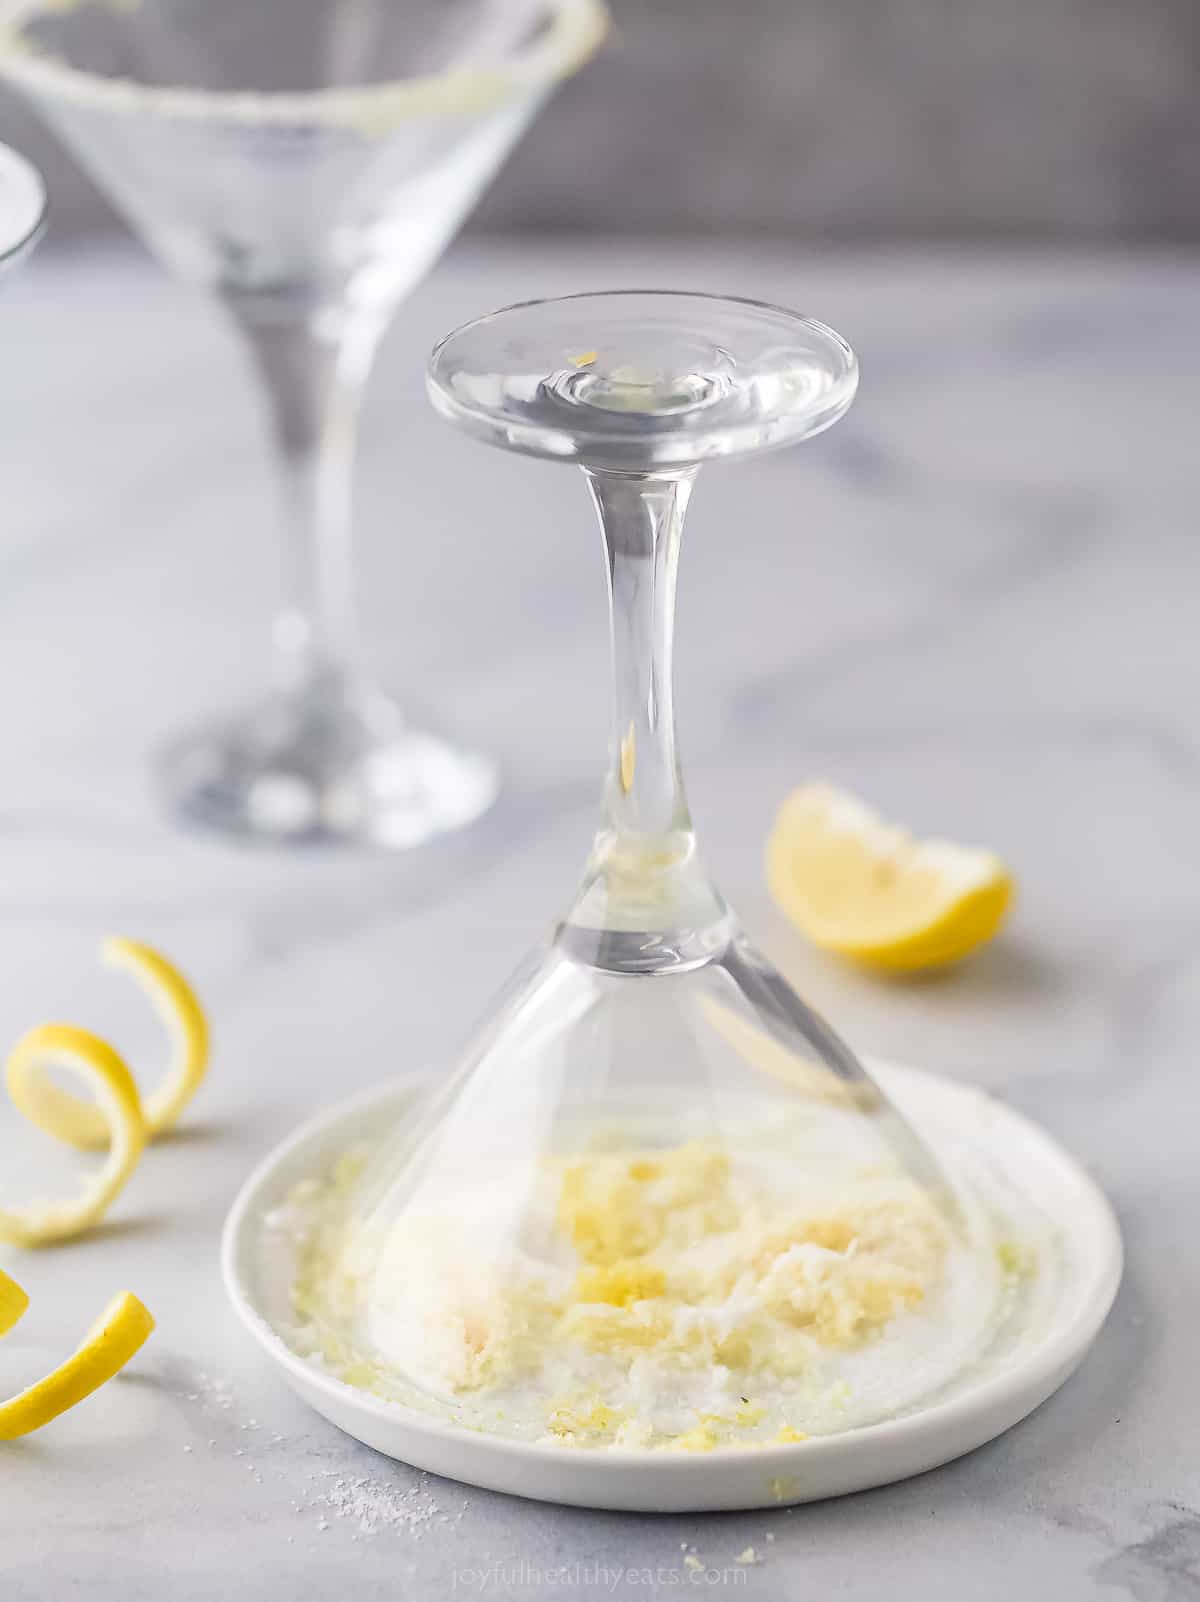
(325, 769)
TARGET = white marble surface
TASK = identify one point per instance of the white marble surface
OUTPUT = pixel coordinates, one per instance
(975, 601)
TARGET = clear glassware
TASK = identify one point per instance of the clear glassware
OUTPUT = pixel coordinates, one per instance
(660, 1202)
(306, 162)
(22, 206)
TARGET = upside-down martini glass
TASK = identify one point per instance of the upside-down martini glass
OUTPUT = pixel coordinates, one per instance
(661, 1216)
(306, 161)
(652, 1121)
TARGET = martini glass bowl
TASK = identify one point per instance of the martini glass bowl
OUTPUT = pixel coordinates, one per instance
(305, 161)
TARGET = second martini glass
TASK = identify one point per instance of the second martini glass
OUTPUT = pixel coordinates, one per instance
(306, 161)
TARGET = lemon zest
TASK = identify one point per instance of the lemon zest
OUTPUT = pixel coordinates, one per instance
(120, 1331)
(621, 1283)
(788, 1434)
(701, 1439)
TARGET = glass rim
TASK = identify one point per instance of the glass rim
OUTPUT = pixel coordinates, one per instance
(487, 424)
(33, 204)
(576, 30)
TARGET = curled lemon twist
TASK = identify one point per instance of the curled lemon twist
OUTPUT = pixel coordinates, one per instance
(117, 1104)
(120, 1331)
(82, 1123)
(115, 1117)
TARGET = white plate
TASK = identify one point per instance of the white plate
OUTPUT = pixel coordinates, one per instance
(258, 1272)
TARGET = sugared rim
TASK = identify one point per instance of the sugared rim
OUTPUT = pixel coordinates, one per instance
(23, 205)
(576, 29)
(610, 441)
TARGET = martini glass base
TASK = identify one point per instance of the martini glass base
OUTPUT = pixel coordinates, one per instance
(326, 768)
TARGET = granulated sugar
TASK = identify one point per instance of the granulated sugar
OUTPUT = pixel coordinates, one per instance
(684, 1296)
(211, 1391)
(375, 1505)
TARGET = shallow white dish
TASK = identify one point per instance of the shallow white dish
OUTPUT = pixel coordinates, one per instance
(978, 1129)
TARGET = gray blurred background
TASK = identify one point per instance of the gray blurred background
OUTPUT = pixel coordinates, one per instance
(1035, 119)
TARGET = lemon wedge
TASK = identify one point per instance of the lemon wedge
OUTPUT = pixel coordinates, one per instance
(861, 887)
(81, 1123)
(118, 1105)
(120, 1331)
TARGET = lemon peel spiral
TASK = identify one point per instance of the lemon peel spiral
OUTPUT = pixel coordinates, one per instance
(81, 1123)
(117, 1104)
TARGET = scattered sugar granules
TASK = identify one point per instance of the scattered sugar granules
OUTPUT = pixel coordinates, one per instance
(375, 1505)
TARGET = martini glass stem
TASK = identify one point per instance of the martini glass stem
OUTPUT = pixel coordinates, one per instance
(642, 521)
(313, 378)
(646, 904)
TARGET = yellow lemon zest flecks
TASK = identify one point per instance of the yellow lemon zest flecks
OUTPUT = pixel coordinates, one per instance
(575, 1420)
(686, 1263)
(1015, 1258)
(614, 1206)
(119, 1332)
(858, 886)
(831, 1280)
(118, 1104)
(603, 1328)
(620, 1283)
(702, 1439)
(786, 1434)
(80, 1123)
